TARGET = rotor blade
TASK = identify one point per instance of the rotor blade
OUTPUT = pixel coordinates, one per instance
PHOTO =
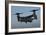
(13, 14)
(17, 13)
(37, 10)
(24, 12)
(34, 10)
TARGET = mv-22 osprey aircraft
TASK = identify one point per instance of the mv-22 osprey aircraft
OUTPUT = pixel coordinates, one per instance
(27, 18)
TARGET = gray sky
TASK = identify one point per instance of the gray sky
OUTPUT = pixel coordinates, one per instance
(26, 12)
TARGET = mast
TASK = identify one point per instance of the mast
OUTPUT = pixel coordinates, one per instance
(35, 16)
(18, 16)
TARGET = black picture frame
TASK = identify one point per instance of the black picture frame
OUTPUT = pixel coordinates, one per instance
(23, 2)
